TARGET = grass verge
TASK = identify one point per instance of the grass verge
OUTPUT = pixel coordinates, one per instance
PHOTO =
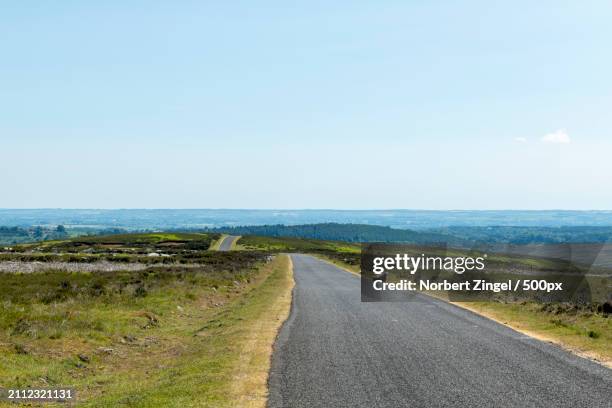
(581, 332)
(340, 263)
(174, 339)
(268, 312)
(286, 244)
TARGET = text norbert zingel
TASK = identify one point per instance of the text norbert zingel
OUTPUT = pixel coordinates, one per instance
(457, 264)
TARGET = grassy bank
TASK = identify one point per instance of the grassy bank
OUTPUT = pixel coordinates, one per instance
(296, 245)
(133, 244)
(167, 336)
(343, 254)
(345, 263)
(580, 330)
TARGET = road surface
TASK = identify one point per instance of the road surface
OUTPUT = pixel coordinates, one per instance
(335, 351)
(226, 244)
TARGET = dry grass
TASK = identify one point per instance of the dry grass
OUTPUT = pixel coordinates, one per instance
(581, 332)
(586, 334)
(249, 388)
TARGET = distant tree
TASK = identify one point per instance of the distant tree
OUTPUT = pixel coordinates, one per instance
(340, 232)
(61, 229)
(38, 232)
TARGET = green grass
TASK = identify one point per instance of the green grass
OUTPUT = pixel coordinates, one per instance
(161, 337)
(178, 256)
(582, 328)
(176, 336)
(171, 248)
(348, 263)
(295, 244)
(126, 242)
(579, 329)
(344, 254)
(154, 237)
(203, 376)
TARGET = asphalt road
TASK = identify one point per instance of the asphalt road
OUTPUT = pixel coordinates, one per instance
(335, 351)
(226, 244)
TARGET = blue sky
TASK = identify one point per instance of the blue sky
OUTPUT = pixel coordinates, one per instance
(405, 104)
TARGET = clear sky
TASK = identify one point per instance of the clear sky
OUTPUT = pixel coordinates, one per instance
(330, 104)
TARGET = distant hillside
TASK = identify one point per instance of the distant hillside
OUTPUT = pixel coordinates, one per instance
(340, 232)
(453, 236)
(16, 235)
(417, 220)
(529, 235)
(20, 235)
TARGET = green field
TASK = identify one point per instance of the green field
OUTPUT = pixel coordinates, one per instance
(344, 254)
(134, 242)
(194, 326)
(125, 338)
(154, 248)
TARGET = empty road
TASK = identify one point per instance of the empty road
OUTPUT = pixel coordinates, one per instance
(226, 244)
(335, 351)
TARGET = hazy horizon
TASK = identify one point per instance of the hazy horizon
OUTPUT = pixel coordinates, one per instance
(205, 218)
(312, 209)
(603, 210)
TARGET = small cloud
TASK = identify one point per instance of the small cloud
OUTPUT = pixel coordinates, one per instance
(560, 136)
(520, 139)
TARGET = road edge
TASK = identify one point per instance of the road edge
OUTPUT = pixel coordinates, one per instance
(591, 356)
(588, 355)
(217, 243)
(250, 385)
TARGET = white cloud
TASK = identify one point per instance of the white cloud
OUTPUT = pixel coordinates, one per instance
(520, 139)
(560, 136)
